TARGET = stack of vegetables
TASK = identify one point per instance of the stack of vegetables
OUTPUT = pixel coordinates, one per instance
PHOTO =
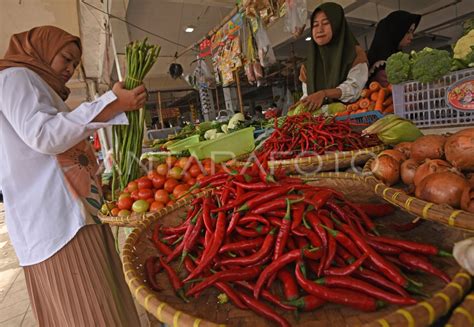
(172, 179)
(127, 139)
(373, 98)
(435, 168)
(247, 235)
(307, 135)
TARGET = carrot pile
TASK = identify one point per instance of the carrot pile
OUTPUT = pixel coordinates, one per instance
(249, 238)
(373, 98)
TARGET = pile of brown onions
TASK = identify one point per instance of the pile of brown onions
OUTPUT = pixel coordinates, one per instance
(436, 168)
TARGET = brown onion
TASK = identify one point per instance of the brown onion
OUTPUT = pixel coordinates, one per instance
(467, 199)
(408, 170)
(459, 149)
(387, 169)
(470, 179)
(405, 148)
(430, 167)
(397, 155)
(428, 147)
(442, 188)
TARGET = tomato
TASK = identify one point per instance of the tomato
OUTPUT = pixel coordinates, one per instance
(145, 193)
(144, 182)
(195, 170)
(158, 181)
(115, 211)
(162, 196)
(196, 191)
(150, 200)
(191, 181)
(180, 189)
(170, 161)
(175, 172)
(151, 174)
(156, 206)
(124, 213)
(132, 186)
(134, 195)
(124, 195)
(170, 203)
(126, 190)
(162, 169)
(125, 203)
(183, 163)
(140, 206)
(185, 177)
(170, 184)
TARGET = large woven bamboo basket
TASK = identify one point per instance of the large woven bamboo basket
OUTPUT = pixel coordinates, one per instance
(440, 213)
(463, 315)
(134, 219)
(204, 310)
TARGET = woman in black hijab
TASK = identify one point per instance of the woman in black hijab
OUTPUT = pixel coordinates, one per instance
(393, 33)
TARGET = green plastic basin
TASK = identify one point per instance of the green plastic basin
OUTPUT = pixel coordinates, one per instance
(181, 145)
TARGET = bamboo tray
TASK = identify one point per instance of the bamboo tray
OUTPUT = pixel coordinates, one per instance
(204, 311)
(134, 219)
(435, 212)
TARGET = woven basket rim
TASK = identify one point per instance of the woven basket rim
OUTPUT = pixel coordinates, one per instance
(169, 315)
(455, 218)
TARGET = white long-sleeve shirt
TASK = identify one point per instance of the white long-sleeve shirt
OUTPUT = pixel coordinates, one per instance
(353, 85)
(42, 214)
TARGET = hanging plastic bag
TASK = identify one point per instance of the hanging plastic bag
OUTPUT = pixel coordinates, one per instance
(296, 17)
(265, 50)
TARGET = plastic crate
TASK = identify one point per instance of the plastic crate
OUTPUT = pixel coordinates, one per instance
(425, 103)
(364, 117)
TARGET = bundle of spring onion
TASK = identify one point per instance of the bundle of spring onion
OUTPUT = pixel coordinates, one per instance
(127, 139)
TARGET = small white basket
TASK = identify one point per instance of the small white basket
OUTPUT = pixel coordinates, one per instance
(425, 103)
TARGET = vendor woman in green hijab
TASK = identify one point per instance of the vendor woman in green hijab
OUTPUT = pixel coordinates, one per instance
(336, 67)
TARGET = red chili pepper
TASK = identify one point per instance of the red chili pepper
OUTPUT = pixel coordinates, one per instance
(274, 267)
(354, 221)
(363, 287)
(265, 197)
(267, 295)
(347, 270)
(237, 202)
(276, 213)
(354, 300)
(242, 245)
(249, 218)
(385, 267)
(345, 241)
(263, 309)
(233, 296)
(225, 276)
(412, 246)
(315, 223)
(384, 247)
(210, 179)
(365, 218)
(152, 267)
(321, 198)
(283, 233)
(206, 214)
(376, 210)
(307, 303)
(373, 277)
(309, 234)
(290, 288)
(424, 265)
(190, 239)
(298, 213)
(406, 227)
(213, 249)
(255, 257)
(258, 231)
(259, 186)
(276, 204)
(181, 229)
(234, 220)
(162, 248)
(174, 279)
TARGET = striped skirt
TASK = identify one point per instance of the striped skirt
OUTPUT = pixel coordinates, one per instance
(82, 284)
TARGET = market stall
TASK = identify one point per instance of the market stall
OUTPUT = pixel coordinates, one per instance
(344, 215)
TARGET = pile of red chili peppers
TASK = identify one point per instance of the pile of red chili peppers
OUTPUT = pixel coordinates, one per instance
(308, 135)
(249, 238)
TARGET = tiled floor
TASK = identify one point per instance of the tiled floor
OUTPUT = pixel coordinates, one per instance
(15, 310)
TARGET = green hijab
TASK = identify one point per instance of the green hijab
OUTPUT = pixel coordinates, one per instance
(328, 65)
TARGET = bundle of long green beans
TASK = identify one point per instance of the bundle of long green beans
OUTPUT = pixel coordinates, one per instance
(127, 139)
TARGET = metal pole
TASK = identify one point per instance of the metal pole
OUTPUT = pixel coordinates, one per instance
(239, 93)
(159, 110)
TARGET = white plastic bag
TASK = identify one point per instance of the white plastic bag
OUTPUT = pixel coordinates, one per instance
(265, 50)
(296, 17)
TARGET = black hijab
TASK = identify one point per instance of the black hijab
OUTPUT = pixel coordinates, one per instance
(328, 65)
(388, 34)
